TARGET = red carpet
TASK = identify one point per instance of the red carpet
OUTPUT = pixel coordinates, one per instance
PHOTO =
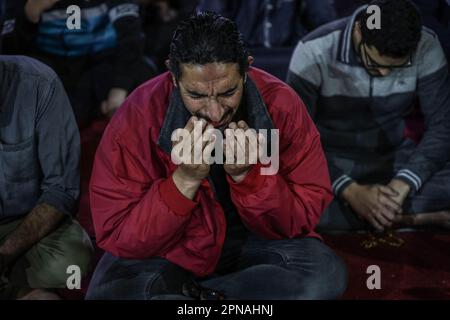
(420, 269)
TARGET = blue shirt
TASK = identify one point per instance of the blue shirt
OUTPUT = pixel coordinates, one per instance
(39, 140)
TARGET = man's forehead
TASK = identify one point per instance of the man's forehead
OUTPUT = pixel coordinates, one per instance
(375, 55)
(218, 75)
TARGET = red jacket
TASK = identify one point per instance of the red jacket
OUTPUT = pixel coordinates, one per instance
(139, 213)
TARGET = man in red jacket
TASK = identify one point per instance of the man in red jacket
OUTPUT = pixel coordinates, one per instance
(171, 231)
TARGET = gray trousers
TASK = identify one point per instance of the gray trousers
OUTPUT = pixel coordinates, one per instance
(433, 196)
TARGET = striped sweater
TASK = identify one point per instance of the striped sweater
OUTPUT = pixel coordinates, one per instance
(360, 114)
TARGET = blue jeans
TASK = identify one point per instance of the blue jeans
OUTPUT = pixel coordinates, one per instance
(263, 269)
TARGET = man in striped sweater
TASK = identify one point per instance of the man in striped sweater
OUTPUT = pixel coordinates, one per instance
(359, 85)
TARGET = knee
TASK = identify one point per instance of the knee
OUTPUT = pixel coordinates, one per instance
(123, 279)
(316, 272)
(138, 287)
(338, 217)
(73, 256)
(328, 282)
(76, 250)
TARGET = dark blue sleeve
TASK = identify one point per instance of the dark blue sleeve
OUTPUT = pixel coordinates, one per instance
(58, 148)
(433, 88)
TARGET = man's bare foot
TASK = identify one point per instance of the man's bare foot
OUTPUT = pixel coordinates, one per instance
(40, 294)
(439, 219)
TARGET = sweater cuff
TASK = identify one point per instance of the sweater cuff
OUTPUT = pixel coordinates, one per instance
(410, 178)
(340, 184)
(174, 199)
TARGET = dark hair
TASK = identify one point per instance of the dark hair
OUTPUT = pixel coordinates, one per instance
(401, 27)
(207, 37)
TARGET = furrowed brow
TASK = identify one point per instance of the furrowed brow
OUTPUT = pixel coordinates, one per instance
(228, 91)
(194, 93)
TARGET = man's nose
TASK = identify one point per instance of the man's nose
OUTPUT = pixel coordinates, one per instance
(215, 110)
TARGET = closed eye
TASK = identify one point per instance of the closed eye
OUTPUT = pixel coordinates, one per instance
(228, 94)
(195, 97)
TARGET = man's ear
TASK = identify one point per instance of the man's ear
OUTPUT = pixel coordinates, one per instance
(174, 80)
(357, 34)
(358, 29)
(250, 60)
(167, 63)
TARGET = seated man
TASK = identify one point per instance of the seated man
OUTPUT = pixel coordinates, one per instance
(226, 227)
(359, 85)
(39, 182)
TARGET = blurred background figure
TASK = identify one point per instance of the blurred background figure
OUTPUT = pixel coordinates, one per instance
(273, 23)
(159, 20)
(436, 16)
(99, 64)
(271, 28)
